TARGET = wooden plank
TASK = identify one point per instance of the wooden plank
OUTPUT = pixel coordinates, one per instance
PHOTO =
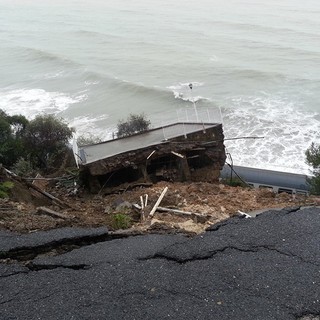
(142, 203)
(182, 213)
(158, 201)
(150, 155)
(48, 195)
(52, 213)
(178, 154)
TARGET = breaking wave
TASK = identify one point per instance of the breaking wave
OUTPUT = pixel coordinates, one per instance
(31, 102)
(287, 132)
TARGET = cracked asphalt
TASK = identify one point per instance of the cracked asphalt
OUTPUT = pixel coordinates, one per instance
(266, 267)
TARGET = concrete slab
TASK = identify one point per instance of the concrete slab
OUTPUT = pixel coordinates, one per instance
(156, 136)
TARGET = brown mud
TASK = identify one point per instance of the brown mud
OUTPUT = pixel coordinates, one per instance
(215, 201)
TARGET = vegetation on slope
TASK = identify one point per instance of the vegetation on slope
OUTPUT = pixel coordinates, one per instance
(313, 159)
(41, 143)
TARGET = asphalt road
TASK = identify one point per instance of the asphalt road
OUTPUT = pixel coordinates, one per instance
(266, 267)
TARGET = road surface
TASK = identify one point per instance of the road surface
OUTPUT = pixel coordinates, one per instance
(266, 267)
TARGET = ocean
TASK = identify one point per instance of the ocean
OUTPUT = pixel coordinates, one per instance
(254, 65)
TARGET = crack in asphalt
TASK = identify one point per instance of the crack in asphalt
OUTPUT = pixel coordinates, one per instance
(288, 254)
(44, 297)
(39, 267)
(206, 256)
(13, 274)
(211, 254)
(290, 210)
(62, 246)
(11, 299)
(7, 301)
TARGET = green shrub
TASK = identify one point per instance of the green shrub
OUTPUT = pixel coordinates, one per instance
(313, 159)
(5, 188)
(121, 221)
(87, 139)
(135, 123)
(23, 168)
(44, 138)
(41, 141)
(234, 182)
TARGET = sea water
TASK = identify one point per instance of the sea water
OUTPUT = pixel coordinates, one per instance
(254, 65)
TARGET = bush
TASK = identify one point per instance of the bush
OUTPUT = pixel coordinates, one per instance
(23, 168)
(121, 221)
(46, 136)
(135, 123)
(44, 142)
(12, 129)
(5, 188)
(86, 139)
(234, 182)
(313, 159)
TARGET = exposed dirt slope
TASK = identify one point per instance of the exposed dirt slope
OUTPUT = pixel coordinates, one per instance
(218, 201)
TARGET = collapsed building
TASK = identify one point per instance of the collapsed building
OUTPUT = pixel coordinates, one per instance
(175, 152)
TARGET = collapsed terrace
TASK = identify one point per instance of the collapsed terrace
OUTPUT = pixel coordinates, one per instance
(175, 152)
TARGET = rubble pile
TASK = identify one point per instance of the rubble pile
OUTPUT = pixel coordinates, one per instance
(188, 207)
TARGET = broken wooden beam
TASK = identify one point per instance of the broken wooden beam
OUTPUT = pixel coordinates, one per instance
(150, 155)
(52, 213)
(142, 203)
(158, 202)
(182, 213)
(48, 195)
(177, 154)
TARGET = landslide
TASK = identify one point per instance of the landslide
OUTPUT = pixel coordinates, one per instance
(20, 212)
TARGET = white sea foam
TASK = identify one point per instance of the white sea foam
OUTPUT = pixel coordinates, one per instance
(185, 86)
(180, 95)
(183, 91)
(89, 124)
(287, 132)
(31, 102)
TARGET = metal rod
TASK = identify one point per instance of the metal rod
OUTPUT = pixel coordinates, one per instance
(194, 104)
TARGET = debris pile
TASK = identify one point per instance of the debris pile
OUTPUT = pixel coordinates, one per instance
(164, 207)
